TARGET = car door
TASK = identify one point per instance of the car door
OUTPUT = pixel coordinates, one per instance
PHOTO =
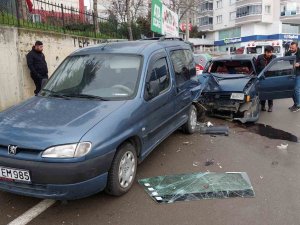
(159, 103)
(277, 80)
(183, 66)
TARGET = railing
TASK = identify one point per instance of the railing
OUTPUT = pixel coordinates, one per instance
(42, 15)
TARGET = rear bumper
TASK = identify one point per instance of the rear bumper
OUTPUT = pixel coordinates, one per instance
(58, 192)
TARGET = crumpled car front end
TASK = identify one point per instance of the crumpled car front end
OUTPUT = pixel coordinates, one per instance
(233, 99)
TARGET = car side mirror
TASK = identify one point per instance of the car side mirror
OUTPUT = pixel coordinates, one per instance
(152, 89)
(262, 77)
(44, 82)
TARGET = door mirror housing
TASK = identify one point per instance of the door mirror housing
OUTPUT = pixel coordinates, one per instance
(44, 82)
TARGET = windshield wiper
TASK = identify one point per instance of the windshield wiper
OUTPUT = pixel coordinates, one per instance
(87, 96)
(56, 94)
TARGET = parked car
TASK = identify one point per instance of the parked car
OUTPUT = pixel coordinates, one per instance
(233, 89)
(105, 108)
(201, 60)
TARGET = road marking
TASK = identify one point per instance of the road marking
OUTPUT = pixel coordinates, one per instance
(32, 213)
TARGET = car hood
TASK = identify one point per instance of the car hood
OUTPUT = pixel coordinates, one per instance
(42, 122)
(226, 84)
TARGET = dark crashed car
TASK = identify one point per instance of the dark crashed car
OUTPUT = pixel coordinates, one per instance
(231, 87)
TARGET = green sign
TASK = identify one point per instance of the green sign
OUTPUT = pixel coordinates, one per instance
(156, 16)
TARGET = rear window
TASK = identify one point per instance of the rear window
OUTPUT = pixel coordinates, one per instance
(231, 67)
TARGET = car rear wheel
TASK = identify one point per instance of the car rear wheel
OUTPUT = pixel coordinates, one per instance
(191, 125)
(123, 170)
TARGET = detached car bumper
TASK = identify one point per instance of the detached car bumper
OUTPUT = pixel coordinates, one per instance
(61, 181)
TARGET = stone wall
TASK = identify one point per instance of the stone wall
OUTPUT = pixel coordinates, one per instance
(15, 82)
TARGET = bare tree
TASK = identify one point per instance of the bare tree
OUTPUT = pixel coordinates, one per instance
(184, 8)
(96, 22)
(136, 7)
(128, 11)
(129, 21)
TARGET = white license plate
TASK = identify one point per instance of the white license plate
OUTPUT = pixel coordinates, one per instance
(10, 174)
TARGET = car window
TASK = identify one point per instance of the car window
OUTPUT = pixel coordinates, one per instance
(231, 67)
(281, 68)
(104, 75)
(160, 75)
(184, 65)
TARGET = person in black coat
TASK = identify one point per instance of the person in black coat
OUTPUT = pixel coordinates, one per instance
(295, 50)
(261, 62)
(37, 65)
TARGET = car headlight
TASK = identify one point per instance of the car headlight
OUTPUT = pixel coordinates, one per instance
(68, 151)
(237, 96)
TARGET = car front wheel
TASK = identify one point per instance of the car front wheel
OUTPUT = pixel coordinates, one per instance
(191, 125)
(123, 170)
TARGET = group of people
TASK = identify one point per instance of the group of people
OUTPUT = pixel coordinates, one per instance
(39, 70)
(263, 60)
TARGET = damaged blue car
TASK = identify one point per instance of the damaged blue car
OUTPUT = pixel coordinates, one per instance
(103, 111)
(232, 89)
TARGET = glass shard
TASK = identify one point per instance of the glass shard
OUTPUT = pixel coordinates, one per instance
(195, 186)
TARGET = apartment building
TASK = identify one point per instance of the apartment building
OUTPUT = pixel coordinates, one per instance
(232, 23)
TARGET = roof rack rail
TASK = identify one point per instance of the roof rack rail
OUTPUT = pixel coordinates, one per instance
(163, 38)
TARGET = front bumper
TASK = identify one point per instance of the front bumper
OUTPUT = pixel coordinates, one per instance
(56, 191)
(61, 180)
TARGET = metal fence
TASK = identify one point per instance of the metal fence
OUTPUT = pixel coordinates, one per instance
(42, 15)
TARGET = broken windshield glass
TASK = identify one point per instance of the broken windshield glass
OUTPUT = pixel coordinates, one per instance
(196, 186)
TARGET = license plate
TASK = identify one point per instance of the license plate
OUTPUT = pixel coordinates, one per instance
(18, 175)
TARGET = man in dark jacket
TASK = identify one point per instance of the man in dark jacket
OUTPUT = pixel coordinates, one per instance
(261, 62)
(37, 65)
(294, 50)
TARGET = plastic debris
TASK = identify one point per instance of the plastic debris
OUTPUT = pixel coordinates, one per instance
(283, 146)
(196, 163)
(209, 162)
(209, 124)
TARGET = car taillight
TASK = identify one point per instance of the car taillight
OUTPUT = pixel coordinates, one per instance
(199, 69)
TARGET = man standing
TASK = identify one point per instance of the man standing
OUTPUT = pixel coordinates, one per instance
(37, 65)
(294, 50)
(261, 62)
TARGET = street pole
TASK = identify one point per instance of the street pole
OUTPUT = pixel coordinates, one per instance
(187, 31)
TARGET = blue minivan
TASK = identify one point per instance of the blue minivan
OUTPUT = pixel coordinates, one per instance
(104, 109)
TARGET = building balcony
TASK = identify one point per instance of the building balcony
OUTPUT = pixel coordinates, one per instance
(247, 2)
(248, 19)
(208, 27)
(290, 16)
(207, 12)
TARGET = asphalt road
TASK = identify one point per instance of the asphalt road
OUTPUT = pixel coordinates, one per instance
(274, 174)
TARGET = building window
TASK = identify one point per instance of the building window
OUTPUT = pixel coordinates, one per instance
(232, 15)
(206, 6)
(205, 21)
(267, 9)
(219, 4)
(232, 2)
(249, 10)
(291, 28)
(290, 9)
(219, 19)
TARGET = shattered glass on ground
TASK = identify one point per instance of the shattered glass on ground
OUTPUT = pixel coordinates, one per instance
(196, 186)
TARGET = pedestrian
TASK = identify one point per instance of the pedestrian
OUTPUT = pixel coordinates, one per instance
(262, 61)
(37, 65)
(294, 50)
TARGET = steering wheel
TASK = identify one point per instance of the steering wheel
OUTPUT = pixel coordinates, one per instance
(123, 88)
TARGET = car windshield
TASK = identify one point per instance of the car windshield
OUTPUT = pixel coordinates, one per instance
(106, 76)
(231, 67)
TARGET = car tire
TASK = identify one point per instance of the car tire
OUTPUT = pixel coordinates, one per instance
(191, 125)
(122, 171)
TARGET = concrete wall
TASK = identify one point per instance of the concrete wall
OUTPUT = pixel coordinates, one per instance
(16, 84)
